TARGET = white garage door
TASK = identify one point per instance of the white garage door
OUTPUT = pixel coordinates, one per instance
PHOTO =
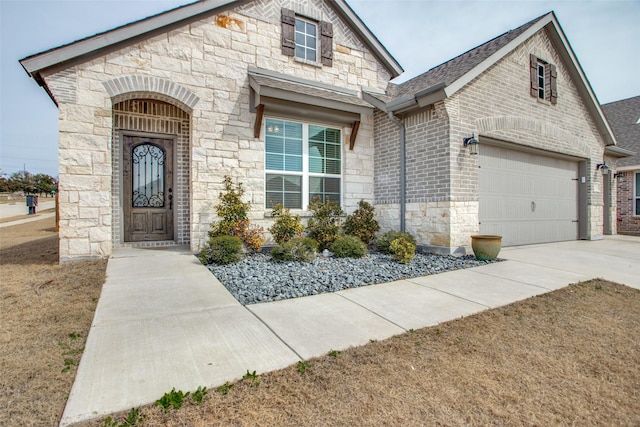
(527, 198)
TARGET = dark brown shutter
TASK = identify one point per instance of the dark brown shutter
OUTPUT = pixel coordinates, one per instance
(533, 68)
(288, 32)
(553, 84)
(326, 43)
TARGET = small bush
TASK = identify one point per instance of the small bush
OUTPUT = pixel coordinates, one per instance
(349, 247)
(383, 242)
(234, 220)
(302, 250)
(402, 250)
(324, 226)
(222, 250)
(251, 235)
(361, 223)
(231, 209)
(286, 226)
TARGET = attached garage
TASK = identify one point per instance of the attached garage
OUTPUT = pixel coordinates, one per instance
(527, 196)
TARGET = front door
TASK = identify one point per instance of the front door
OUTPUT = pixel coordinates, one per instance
(147, 170)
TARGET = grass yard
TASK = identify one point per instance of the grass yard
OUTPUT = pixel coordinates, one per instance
(47, 310)
(570, 357)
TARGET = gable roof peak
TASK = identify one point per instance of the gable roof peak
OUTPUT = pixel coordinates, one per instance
(181, 15)
(450, 71)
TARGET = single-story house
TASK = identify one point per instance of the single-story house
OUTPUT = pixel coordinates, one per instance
(624, 119)
(292, 98)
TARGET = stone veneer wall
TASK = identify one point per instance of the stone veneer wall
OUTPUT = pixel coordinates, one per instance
(201, 67)
(627, 222)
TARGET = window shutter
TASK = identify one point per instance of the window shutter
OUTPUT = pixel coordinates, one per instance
(533, 68)
(553, 77)
(288, 32)
(326, 43)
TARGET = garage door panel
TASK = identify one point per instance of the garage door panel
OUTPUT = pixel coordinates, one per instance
(527, 197)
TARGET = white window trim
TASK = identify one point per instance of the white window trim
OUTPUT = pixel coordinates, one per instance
(317, 37)
(305, 162)
(542, 87)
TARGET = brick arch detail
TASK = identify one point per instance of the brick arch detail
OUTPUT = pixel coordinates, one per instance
(121, 88)
(551, 132)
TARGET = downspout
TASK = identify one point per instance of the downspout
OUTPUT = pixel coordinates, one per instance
(403, 183)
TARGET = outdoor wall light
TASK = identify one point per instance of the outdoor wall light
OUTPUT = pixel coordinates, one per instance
(619, 176)
(472, 143)
(603, 168)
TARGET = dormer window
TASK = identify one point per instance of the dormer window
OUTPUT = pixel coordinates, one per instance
(543, 80)
(306, 39)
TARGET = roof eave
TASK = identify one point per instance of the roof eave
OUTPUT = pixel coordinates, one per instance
(614, 151)
(116, 37)
(112, 38)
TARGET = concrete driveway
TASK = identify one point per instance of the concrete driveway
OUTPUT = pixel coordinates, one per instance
(164, 321)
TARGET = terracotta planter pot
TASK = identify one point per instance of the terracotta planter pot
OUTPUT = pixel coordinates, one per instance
(485, 246)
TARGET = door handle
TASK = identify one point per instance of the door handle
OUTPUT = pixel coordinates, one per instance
(533, 206)
(170, 199)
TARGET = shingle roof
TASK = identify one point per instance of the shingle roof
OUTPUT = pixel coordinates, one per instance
(624, 119)
(455, 68)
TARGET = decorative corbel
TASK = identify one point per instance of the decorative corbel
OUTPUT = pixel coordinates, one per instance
(354, 134)
(258, 125)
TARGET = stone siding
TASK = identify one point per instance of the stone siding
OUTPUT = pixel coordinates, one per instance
(201, 68)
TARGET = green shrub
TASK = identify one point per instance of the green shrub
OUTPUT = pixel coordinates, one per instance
(222, 250)
(361, 223)
(286, 226)
(402, 250)
(349, 247)
(324, 226)
(383, 242)
(296, 249)
(234, 220)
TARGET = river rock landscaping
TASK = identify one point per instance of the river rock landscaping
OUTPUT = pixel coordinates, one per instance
(257, 278)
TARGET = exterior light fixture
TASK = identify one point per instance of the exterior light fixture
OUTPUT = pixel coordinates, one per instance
(472, 143)
(603, 168)
(619, 176)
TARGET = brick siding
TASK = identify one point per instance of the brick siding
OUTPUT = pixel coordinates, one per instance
(627, 222)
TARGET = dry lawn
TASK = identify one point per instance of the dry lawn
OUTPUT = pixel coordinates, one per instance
(571, 357)
(46, 314)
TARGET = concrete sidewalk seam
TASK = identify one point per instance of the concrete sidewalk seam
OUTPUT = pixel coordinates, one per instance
(273, 332)
(447, 293)
(371, 311)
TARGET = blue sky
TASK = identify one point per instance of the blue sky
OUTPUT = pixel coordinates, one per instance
(420, 34)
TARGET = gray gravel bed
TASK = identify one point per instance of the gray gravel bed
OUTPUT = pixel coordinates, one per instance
(257, 278)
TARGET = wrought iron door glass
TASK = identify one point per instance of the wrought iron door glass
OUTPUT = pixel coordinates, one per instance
(147, 164)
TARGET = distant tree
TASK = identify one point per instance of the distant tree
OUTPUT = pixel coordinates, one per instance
(22, 181)
(4, 182)
(45, 183)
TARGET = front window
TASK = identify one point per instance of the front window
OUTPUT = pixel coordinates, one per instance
(303, 162)
(637, 195)
(306, 40)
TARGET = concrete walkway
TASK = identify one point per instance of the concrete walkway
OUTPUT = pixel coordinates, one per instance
(164, 321)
